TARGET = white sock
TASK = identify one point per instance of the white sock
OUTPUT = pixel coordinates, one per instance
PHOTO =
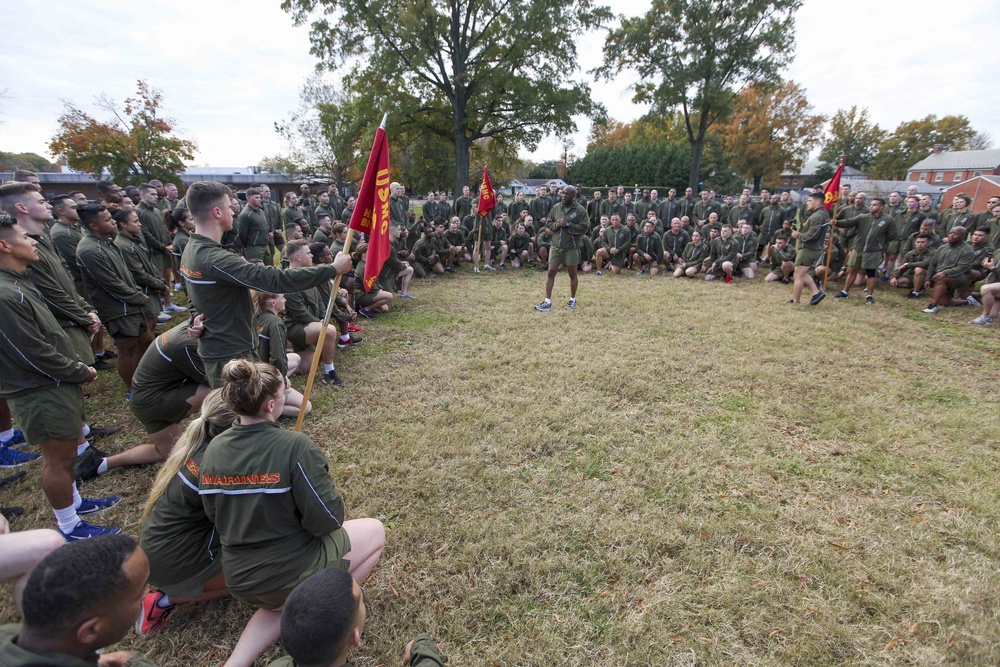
(7, 435)
(86, 430)
(77, 499)
(345, 337)
(67, 518)
(164, 602)
(103, 468)
(327, 368)
(572, 299)
(81, 448)
(548, 300)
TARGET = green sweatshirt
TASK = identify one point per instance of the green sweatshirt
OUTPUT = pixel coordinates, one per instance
(779, 256)
(144, 275)
(171, 361)
(873, 232)
(219, 283)
(813, 230)
(273, 339)
(252, 228)
(952, 260)
(423, 653)
(423, 250)
(35, 353)
(914, 260)
(269, 493)
(694, 254)
(107, 278)
(12, 655)
(565, 238)
(65, 238)
(675, 243)
(305, 307)
(723, 250)
(153, 231)
(55, 283)
(178, 538)
(650, 245)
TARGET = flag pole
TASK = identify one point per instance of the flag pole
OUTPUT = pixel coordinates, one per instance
(326, 323)
(829, 243)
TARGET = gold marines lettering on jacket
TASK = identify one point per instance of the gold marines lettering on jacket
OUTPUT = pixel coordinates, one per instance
(238, 480)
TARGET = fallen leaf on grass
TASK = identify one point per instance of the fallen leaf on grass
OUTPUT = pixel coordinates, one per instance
(839, 546)
(892, 643)
(677, 638)
(774, 633)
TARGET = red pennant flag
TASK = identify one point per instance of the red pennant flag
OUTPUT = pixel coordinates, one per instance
(487, 196)
(371, 211)
(832, 193)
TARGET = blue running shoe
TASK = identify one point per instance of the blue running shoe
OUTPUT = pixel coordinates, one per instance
(15, 439)
(94, 505)
(12, 458)
(85, 531)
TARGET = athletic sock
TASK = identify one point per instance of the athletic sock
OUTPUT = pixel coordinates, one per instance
(67, 518)
(86, 430)
(99, 355)
(80, 449)
(103, 468)
(345, 337)
(327, 368)
(572, 299)
(7, 435)
(164, 602)
(77, 499)
(548, 300)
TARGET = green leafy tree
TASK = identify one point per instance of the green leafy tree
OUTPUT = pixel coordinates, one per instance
(697, 54)
(136, 145)
(914, 140)
(852, 134)
(30, 161)
(463, 70)
(547, 169)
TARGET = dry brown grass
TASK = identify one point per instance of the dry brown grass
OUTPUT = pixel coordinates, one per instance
(676, 473)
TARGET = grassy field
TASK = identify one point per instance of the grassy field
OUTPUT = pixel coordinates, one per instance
(676, 473)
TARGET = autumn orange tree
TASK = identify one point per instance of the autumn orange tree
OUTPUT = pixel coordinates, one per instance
(136, 145)
(771, 129)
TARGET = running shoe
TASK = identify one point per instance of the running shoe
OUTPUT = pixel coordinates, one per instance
(16, 439)
(544, 307)
(12, 458)
(85, 531)
(153, 617)
(95, 505)
(333, 378)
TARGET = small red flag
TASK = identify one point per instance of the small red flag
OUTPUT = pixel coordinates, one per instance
(832, 193)
(371, 211)
(487, 197)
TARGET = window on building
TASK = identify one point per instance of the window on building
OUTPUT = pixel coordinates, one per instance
(977, 174)
(923, 176)
(958, 176)
(786, 181)
(938, 177)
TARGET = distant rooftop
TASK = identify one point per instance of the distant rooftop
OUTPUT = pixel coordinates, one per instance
(811, 166)
(960, 160)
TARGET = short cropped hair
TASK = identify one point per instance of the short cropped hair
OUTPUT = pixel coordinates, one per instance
(74, 581)
(89, 211)
(251, 192)
(13, 192)
(294, 246)
(104, 187)
(21, 175)
(318, 617)
(204, 195)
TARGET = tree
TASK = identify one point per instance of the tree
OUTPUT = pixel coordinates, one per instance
(914, 140)
(853, 135)
(460, 69)
(548, 169)
(698, 54)
(137, 145)
(608, 133)
(981, 141)
(31, 161)
(771, 129)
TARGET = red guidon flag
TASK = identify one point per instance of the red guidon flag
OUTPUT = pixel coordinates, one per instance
(832, 193)
(487, 197)
(371, 211)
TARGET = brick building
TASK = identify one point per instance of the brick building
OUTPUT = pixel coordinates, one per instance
(946, 168)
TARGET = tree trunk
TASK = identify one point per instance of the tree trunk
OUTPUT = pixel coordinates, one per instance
(697, 148)
(461, 161)
(757, 178)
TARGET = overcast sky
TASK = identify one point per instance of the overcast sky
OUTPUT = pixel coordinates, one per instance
(229, 69)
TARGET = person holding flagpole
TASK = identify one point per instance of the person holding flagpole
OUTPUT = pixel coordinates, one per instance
(567, 221)
(482, 229)
(809, 248)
